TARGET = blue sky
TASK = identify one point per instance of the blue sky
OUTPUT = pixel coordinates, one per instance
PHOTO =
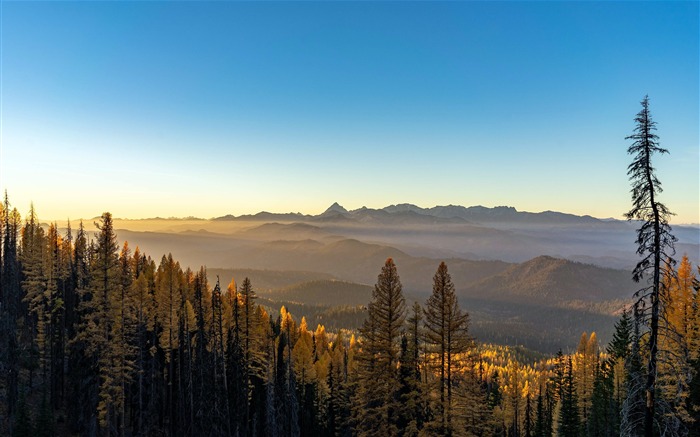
(177, 109)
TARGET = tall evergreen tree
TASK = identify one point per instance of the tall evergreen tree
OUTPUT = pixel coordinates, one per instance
(411, 394)
(633, 411)
(447, 337)
(339, 396)
(305, 373)
(221, 409)
(381, 335)
(142, 296)
(586, 364)
(82, 363)
(32, 257)
(238, 394)
(202, 359)
(602, 418)
(542, 423)
(676, 336)
(655, 244)
(169, 278)
(618, 351)
(569, 422)
(11, 303)
(102, 330)
(254, 325)
(529, 423)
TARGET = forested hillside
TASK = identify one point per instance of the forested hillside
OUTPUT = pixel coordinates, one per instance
(99, 338)
(542, 303)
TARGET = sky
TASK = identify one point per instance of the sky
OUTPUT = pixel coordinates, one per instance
(149, 109)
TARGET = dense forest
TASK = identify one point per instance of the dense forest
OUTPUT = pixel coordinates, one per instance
(98, 339)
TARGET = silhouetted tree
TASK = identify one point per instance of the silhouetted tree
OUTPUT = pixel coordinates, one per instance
(446, 337)
(654, 243)
(569, 422)
(381, 335)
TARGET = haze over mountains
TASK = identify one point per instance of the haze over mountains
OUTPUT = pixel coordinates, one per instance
(477, 232)
(511, 269)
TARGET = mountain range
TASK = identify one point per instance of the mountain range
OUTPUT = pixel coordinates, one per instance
(450, 213)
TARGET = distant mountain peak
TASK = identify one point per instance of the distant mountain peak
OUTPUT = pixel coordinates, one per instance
(404, 207)
(335, 208)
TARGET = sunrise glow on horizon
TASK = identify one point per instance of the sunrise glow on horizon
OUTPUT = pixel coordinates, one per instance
(161, 109)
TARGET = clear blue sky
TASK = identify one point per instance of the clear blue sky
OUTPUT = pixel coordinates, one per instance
(176, 109)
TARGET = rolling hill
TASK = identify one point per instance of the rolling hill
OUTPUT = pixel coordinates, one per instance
(552, 280)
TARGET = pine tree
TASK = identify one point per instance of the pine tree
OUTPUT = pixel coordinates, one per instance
(254, 335)
(529, 425)
(602, 420)
(633, 411)
(618, 351)
(513, 390)
(82, 363)
(169, 278)
(381, 334)
(54, 315)
(339, 396)
(11, 303)
(305, 373)
(202, 357)
(102, 330)
(586, 364)
(541, 429)
(411, 396)
(142, 296)
(234, 363)
(675, 346)
(221, 409)
(447, 337)
(36, 295)
(654, 243)
(125, 332)
(569, 422)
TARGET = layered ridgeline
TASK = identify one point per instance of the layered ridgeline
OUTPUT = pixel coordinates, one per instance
(477, 233)
(510, 296)
(485, 233)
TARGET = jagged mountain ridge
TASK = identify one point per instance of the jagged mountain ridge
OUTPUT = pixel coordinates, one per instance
(454, 213)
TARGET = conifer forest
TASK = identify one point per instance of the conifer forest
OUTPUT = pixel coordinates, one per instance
(98, 338)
